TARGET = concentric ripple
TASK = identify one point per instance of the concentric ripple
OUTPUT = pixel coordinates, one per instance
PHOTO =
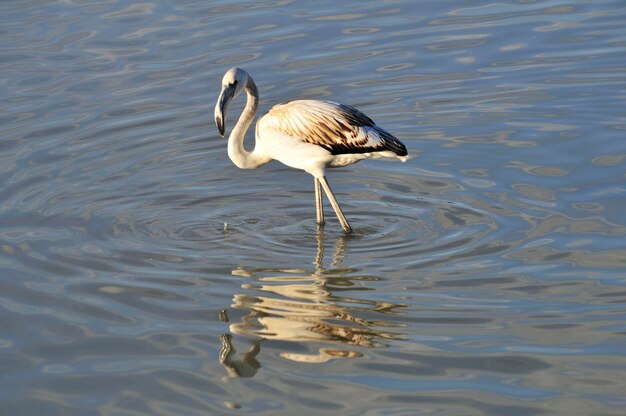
(398, 215)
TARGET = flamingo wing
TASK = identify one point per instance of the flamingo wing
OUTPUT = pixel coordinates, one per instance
(338, 128)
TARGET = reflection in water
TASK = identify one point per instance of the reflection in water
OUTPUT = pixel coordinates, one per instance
(247, 366)
(291, 305)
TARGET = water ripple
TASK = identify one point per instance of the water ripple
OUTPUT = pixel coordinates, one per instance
(141, 272)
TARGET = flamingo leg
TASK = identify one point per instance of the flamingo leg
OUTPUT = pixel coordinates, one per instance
(335, 205)
(319, 208)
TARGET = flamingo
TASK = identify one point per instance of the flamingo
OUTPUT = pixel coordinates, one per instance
(310, 135)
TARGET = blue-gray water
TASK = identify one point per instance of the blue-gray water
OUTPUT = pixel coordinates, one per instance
(485, 276)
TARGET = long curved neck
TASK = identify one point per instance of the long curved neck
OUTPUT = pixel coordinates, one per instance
(236, 151)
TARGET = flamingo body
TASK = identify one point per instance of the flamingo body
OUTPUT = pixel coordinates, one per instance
(312, 135)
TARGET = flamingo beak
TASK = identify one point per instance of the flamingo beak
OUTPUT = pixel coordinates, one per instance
(221, 107)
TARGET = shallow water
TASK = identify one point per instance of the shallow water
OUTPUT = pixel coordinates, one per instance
(142, 273)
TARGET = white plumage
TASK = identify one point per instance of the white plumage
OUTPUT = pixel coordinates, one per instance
(310, 135)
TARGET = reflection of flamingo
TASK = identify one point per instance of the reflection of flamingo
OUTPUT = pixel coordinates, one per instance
(305, 134)
(244, 367)
(292, 305)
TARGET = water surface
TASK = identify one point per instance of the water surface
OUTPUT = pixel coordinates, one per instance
(141, 272)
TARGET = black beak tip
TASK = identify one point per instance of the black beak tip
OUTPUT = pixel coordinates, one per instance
(220, 126)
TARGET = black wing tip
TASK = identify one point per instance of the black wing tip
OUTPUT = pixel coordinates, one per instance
(401, 151)
(398, 148)
(391, 143)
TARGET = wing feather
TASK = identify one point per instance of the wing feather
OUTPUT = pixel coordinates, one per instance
(338, 128)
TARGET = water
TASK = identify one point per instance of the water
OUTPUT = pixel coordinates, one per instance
(485, 276)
